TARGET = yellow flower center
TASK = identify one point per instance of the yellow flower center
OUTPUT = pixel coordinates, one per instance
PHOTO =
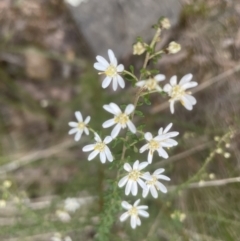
(100, 146)
(121, 119)
(133, 211)
(111, 71)
(81, 125)
(153, 181)
(151, 84)
(177, 92)
(153, 145)
(134, 175)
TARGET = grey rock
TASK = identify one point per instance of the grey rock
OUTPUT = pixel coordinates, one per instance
(115, 24)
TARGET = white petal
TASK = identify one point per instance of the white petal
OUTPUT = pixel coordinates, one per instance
(148, 136)
(127, 167)
(161, 187)
(115, 83)
(160, 77)
(131, 127)
(115, 108)
(128, 187)
(160, 131)
(191, 99)
(141, 83)
(173, 80)
(142, 165)
(142, 207)
(88, 118)
(145, 192)
(129, 109)
(78, 135)
(142, 183)
(107, 139)
(143, 213)
(79, 116)
(135, 165)
(102, 157)
(102, 61)
(138, 221)
(162, 153)
(109, 109)
(150, 157)
(120, 68)
(153, 191)
(123, 181)
(88, 147)
(120, 81)
(86, 131)
(126, 205)
(169, 143)
(189, 85)
(108, 123)
(108, 154)
(186, 78)
(112, 58)
(143, 148)
(163, 177)
(106, 82)
(97, 138)
(124, 216)
(133, 221)
(72, 131)
(172, 106)
(169, 126)
(167, 88)
(93, 155)
(73, 124)
(99, 66)
(134, 189)
(159, 171)
(146, 176)
(187, 104)
(136, 203)
(116, 131)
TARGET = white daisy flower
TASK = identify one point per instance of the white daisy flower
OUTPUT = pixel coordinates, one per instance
(111, 70)
(120, 120)
(151, 83)
(101, 148)
(134, 211)
(134, 177)
(163, 139)
(177, 92)
(71, 204)
(79, 127)
(153, 185)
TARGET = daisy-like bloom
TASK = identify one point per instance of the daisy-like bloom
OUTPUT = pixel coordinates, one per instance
(152, 83)
(111, 70)
(101, 148)
(153, 185)
(134, 177)
(79, 127)
(71, 204)
(163, 139)
(134, 211)
(177, 92)
(120, 120)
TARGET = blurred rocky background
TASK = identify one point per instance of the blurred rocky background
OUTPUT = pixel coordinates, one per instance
(47, 51)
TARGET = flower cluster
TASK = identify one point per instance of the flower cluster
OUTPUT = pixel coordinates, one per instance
(135, 179)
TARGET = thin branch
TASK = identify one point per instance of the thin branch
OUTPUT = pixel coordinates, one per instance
(34, 156)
